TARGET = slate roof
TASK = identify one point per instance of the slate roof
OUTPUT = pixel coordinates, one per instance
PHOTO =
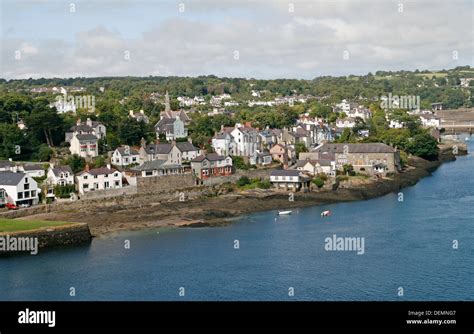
(32, 167)
(85, 137)
(186, 146)
(210, 157)
(62, 169)
(356, 148)
(132, 151)
(158, 148)
(285, 172)
(99, 171)
(8, 178)
(154, 165)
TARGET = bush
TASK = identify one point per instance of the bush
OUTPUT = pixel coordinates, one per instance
(318, 182)
(239, 163)
(341, 178)
(64, 191)
(264, 184)
(244, 180)
(322, 176)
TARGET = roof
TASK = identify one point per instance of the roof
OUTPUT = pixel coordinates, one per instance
(380, 165)
(62, 169)
(356, 148)
(210, 157)
(285, 172)
(8, 178)
(99, 171)
(6, 163)
(158, 148)
(155, 164)
(186, 146)
(82, 137)
(32, 167)
(131, 151)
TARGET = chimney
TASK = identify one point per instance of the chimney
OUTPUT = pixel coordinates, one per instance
(108, 166)
(89, 122)
(142, 112)
(157, 141)
(143, 142)
(87, 167)
(249, 124)
(131, 113)
(173, 142)
(78, 122)
(222, 127)
(190, 140)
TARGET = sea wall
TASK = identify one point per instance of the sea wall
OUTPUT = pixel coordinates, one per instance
(57, 236)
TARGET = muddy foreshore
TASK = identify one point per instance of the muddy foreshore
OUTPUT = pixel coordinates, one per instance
(143, 212)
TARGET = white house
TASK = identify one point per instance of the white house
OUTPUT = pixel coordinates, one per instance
(125, 155)
(188, 150)
(33, 170)
(429, 120)
(18, 188)
(157, 168)
(98, 179)
(167, 152)
(348, 122)
(84, 145)
(88, 127)
(222, 142)
(289, 179)
(314, 167)
(245, 140)
(60, 176)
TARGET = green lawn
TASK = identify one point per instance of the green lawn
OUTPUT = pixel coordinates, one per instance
(15, 225)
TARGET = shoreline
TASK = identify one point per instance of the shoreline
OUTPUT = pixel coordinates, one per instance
(141, 212)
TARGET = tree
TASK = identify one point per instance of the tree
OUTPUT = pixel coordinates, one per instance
(242, 181)
(424, 146)
(76, 163)
(300, 147)
(131, 132)
(318, 182)
(44, 153)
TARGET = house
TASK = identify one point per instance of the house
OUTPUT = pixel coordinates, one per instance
(430, 120)
(84, 145)
(6, 165)
(344, 123)
(436, 106)
(95, 179)
(396, 124)
(188, 150)
(314, 167)
(60, 176)
(283, 154)
(172, 124)
(267, 138)
(18, 188)
(289, 179)
(245, 140)
(157, 168)
(210, 165)
(172, 128)
(139, 116)
(33, 170)
(124, 156)
(261, 158)
(222, 142)
(362, 157)
(88, 127)
(167, 152)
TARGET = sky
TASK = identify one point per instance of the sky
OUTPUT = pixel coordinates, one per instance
(263, 39)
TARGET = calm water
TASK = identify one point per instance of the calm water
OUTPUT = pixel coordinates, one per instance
(407, 244)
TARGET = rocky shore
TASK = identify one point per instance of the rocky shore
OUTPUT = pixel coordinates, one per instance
(220, 207)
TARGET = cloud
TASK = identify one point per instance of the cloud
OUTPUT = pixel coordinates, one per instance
(271, 41)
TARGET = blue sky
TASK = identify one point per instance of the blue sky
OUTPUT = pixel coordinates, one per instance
(42, 38)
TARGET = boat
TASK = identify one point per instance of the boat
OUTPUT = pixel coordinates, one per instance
(284, 212)
(326, 213)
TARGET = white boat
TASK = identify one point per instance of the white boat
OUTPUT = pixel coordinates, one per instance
(325, 213)
(284, 212)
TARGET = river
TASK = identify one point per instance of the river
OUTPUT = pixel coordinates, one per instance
(408, 244)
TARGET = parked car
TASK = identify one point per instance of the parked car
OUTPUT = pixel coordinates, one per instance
(11, 206)
(24, 205)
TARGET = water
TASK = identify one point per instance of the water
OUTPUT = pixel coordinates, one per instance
(408, 244)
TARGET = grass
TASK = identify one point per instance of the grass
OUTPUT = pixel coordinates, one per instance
(14, 225)
(431, 74)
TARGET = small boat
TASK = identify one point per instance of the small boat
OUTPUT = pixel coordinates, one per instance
(326, 213)
(284, 212)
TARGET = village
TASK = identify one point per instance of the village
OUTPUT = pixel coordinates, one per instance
(305, 156)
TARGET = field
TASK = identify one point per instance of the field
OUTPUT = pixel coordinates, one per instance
(15, 225)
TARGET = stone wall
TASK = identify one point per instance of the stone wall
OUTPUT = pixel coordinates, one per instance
(58, 236)
(165, 183)
(130, 190)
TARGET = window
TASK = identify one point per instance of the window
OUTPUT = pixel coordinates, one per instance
(116, 175)
(20, 195)
(26, 180)
(33, 193)
(106, 175)
(85, 177)
(95, 176)
(85, 186)
(117, 183)
(106, 184)
(26, 186)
